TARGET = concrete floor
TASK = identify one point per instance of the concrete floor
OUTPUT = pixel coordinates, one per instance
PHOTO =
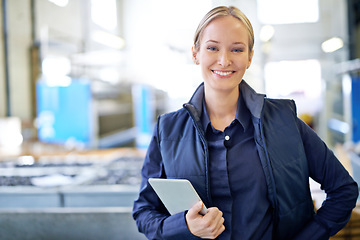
(68, 223)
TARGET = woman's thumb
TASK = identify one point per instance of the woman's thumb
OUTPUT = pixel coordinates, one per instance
(196, 208)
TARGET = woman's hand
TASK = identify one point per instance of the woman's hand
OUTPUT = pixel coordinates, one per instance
(208, 226)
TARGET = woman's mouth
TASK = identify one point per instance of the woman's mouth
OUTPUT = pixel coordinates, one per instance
(223, 73)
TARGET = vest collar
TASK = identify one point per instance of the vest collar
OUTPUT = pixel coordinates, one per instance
(253, 100)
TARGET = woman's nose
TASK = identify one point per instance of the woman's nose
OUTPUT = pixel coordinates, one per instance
(224, 59)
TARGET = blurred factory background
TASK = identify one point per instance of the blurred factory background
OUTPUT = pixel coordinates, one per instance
(82, 82)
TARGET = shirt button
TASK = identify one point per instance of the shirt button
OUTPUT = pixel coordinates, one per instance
(227, 137)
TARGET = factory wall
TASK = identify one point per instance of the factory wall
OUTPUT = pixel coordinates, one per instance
(147, 70)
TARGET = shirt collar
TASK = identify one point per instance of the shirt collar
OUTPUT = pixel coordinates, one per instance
(242, 114)
(205, 120)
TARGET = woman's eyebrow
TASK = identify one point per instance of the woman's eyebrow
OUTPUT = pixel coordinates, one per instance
(212, 41)
(217, 42)
(239, 43)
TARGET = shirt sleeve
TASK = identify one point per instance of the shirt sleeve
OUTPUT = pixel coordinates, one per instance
(341, 190)
(151, 216)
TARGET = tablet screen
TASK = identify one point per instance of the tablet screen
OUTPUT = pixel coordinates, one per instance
(177, 195)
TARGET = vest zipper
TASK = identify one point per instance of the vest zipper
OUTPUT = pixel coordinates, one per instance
(202, 137)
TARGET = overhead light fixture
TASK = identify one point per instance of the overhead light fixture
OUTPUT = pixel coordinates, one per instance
(60, 3)
(332, 44)
(108, 39)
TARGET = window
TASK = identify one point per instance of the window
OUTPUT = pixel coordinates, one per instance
(288, 11)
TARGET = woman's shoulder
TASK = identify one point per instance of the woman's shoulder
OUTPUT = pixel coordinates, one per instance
(173, 118)
(171, 124)
(280, 104)
(173, 114)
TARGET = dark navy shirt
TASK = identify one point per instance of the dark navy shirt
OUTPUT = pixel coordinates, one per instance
(237, 181)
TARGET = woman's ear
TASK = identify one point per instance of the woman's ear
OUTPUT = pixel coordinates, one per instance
(251, 54)
(194, 55)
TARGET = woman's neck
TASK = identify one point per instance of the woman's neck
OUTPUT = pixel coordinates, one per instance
(221, 107)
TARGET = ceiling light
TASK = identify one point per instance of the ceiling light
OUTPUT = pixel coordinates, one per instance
(60, 3)
(332, 44)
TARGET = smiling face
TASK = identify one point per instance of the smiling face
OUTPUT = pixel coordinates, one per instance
(223, 53)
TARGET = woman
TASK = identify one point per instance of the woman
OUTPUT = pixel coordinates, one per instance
(248, 157)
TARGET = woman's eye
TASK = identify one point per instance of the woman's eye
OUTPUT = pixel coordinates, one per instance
(212, 48)
(238, 50)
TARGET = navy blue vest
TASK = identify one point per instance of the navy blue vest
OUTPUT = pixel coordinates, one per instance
(185, 155)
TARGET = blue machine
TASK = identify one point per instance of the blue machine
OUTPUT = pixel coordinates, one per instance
(355, 99)
(64, 112)
(144, 112)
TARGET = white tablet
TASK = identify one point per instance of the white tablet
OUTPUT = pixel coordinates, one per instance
(177, 195)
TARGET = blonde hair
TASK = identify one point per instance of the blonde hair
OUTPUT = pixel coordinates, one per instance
(220, 12)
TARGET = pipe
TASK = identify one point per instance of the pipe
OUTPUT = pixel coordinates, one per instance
(6, 58)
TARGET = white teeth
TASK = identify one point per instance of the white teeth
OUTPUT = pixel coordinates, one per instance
(223, 73)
